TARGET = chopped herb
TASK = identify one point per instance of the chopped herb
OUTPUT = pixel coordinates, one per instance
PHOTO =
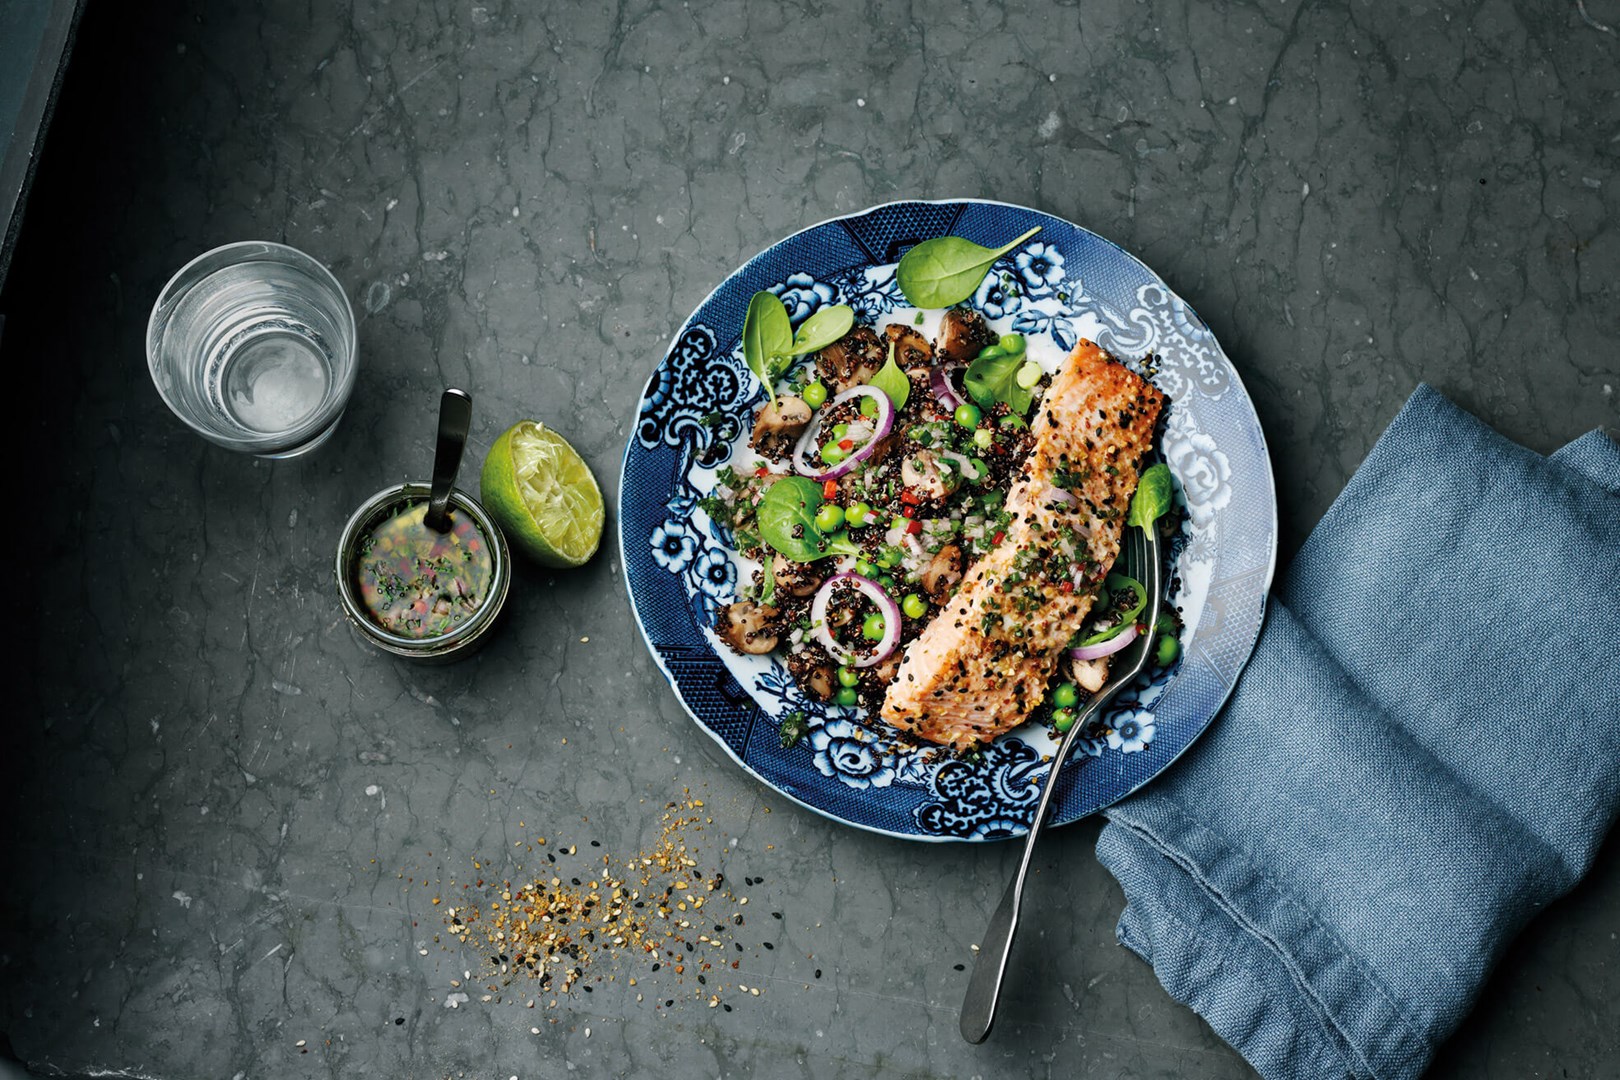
(794, 728)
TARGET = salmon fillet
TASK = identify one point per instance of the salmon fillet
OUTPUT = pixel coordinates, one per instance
(983, 664)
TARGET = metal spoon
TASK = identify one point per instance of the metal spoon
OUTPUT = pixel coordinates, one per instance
(455, 419)
(984, 987)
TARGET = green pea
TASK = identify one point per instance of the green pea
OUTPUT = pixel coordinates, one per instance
(815, 395)
(890, 557)
(984, 469)
(840, 430)
(1029, 374)
(874, 627)
(829, 518)
(967, 415)
(857, 514)
(887, 583)
(832, 453)
(983, 437)
(914, 606)
(992, 352)
(869, 406)
(1011, 344)
(1066, 696)
(1167, 650)
(848, 697)
(1063, 719)
(848, 676)
(1013, 421)
(865, 569)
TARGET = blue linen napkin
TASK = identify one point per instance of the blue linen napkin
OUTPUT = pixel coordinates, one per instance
(1423, 752)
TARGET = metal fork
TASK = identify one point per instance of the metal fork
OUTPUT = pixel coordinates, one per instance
(1142, 561)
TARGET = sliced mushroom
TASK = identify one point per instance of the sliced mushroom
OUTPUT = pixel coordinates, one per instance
(800, 579)
(852, 359)
(820, 681)
(1090, 674)
(962, 333)
(888, 669)
(942, 573)
(779, 426)
(920, 470)
(743, 626)
(911, 349)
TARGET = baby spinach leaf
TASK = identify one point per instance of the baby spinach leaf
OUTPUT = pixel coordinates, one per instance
(1152, 498)
(893, 382)
(992, 379)
(791, 503)
(823, 328)
(947, 269)
(767, 339)
(787, 522)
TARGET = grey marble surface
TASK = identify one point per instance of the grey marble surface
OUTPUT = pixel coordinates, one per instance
(212, 789)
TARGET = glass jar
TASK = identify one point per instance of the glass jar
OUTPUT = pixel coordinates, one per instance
(354, 562)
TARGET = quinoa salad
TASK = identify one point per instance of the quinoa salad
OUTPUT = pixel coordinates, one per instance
(875, 477)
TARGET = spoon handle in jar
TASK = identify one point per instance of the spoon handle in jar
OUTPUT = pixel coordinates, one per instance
(455, 420)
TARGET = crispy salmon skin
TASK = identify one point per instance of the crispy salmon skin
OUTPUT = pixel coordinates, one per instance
(984, 663)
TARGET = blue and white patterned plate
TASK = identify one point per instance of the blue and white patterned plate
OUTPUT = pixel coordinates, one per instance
(1066, 284)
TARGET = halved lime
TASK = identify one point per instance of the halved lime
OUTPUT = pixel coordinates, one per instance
(542, 495)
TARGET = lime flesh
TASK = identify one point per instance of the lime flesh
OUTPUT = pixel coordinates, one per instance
(543, 496)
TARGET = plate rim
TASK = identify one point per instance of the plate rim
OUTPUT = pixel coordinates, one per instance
(1018, 834)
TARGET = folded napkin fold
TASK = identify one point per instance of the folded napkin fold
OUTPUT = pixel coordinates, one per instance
(1423, 752)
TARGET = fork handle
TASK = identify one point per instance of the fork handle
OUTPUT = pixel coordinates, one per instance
(984, 987)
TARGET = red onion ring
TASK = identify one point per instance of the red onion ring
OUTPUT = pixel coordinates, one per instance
(873, 592)
(807, 441)
(1105, 648)
(939, 381)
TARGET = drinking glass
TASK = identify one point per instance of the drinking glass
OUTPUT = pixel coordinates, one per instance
(253, 346)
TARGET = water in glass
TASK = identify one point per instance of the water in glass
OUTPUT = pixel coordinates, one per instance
(256, 352)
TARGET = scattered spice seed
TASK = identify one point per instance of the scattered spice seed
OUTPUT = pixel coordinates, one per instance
(567, 935)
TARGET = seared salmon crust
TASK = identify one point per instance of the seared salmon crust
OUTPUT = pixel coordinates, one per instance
(983, 664)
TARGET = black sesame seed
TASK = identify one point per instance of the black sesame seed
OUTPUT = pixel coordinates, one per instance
(401, 1020)
(768, 945)
(818, 973)
(959, 967)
